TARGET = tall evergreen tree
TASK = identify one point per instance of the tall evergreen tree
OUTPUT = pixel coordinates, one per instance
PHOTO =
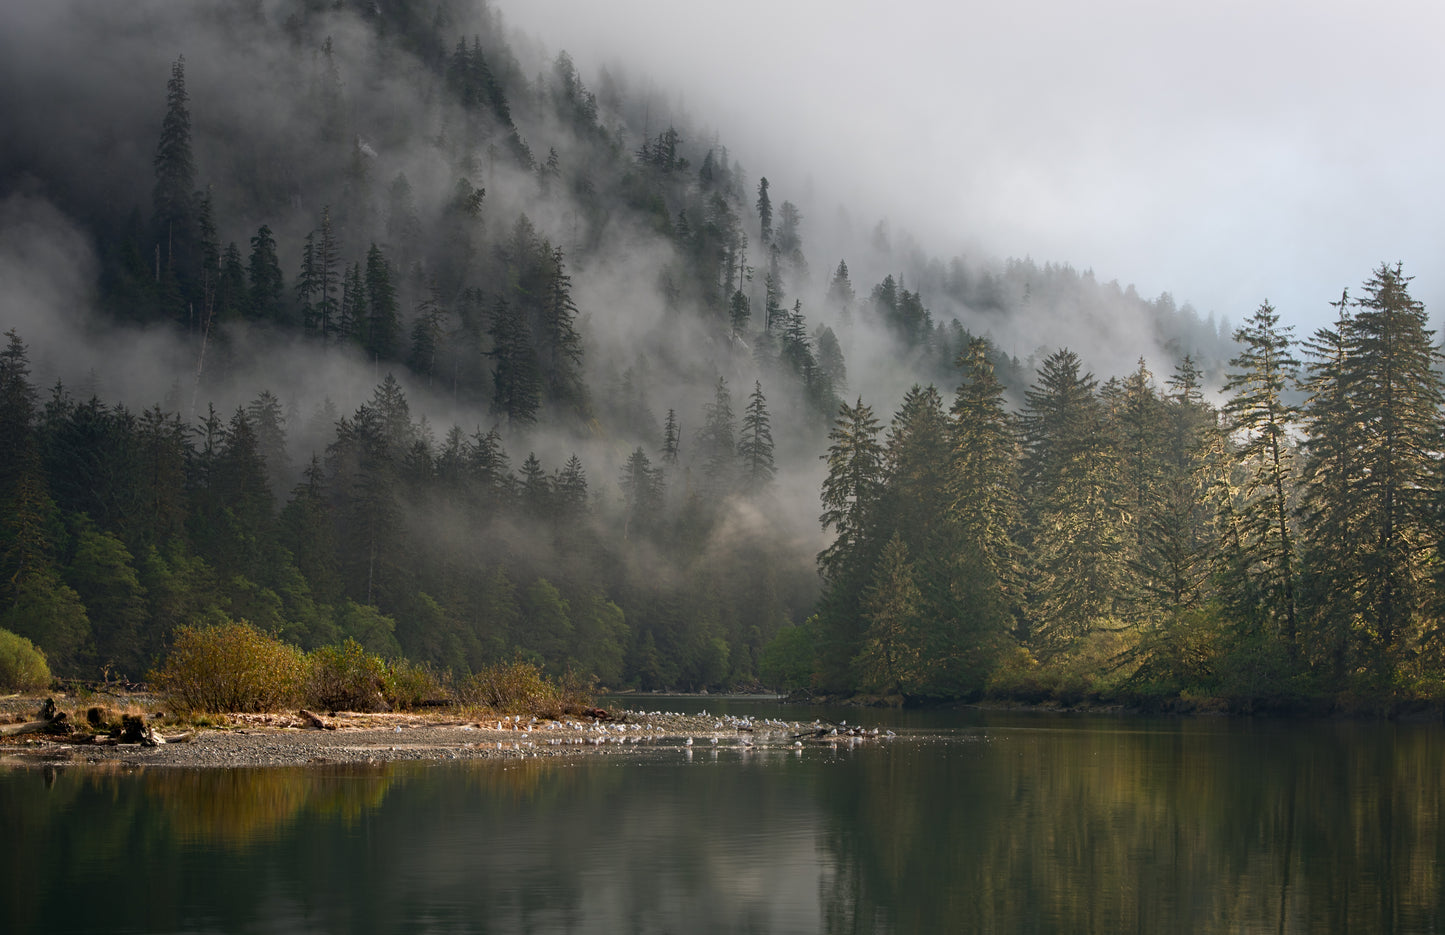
(427, 332)
(1076, 535)
(755, 442)
(765, 211)
(1261, 420)
(1330, 518)
(1392, 391)
(381, 336)
(983, 504)
(850, 496)
(671, 439)
(840, 294)
(516, 381)
(560, 347)
(173, 199)
(265, 282)
(715, 442)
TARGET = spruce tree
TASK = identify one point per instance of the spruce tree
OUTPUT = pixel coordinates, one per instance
(765, 211)
(381, 335)
(560, 347)
(1375, 424)
(1260, 421)
(517, 389)
(671, 439)
(173, 198)
(266, 285)
(1328, 515)
(850, 497)
(755, 442)
(1076, 535)
(983, 501)
(716, 445)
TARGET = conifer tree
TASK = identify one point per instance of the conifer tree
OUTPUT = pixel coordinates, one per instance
(1329, 519)
(1392, 392)
(173, 199)
(570, 490)
(381, 336)
(738, 314)
(715, 442)
(983, 505)
(896, 656)
(560, 348)
(671, 439)
(516, 381)
(642, 493)
(852, 488)
(1260, 420)
(850, 498)
(765, 211)
(755, 442)
(326, 312)
(1076, 538)
(264, 279)
(426, 335)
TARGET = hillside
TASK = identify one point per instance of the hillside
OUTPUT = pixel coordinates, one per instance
(359, 322)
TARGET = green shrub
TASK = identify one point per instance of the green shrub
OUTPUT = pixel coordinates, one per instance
(520, 688)
(346, 678)
(22, 665)
(229, 667)
(408, 685)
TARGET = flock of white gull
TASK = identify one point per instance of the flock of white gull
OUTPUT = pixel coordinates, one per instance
(661, 728)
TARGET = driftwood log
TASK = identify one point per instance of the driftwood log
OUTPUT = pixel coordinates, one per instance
(50, 720)
(315, 720)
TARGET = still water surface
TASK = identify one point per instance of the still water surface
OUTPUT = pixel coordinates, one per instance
(965, 821)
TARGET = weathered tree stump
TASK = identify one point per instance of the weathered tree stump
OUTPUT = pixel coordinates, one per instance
(133, 729)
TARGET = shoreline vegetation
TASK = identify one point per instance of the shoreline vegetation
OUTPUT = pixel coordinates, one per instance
(247, 698)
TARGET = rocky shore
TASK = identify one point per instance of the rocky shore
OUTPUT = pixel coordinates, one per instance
(302, 739)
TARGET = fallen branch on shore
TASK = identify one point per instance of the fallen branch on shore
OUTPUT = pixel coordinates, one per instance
(315, 720)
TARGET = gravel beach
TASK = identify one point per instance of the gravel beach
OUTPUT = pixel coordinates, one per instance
(274, 740)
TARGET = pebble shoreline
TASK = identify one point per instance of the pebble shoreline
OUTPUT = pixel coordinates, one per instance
(280, 741)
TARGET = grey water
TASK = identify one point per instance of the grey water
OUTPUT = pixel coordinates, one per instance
(964, 821)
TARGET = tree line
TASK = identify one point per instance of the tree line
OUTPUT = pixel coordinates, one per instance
(1135, 540)
(120, 527)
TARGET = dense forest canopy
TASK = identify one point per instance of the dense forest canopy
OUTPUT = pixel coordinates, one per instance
(363, 321)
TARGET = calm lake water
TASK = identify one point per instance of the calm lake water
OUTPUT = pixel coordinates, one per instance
(966, 821)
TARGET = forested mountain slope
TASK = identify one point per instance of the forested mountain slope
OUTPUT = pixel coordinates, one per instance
(370, 320)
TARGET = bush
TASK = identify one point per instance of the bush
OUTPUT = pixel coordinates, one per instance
(229, 667)
(521, 688)
(346, 678)
(22, 665)
(409, 685)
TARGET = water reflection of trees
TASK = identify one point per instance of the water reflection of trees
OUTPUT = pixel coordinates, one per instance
(1188, 826)
(1203, 827)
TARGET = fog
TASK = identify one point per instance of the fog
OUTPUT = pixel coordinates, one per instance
(1227, 152)
(918, 182)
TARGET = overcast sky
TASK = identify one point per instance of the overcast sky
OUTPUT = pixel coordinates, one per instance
(1223, 150)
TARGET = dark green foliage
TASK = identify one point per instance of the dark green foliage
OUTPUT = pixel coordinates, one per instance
(1262, 543)
(517, 384)
(755, 443)
(174, 208)
(265, 282)
(381, 327)
(715, 445)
